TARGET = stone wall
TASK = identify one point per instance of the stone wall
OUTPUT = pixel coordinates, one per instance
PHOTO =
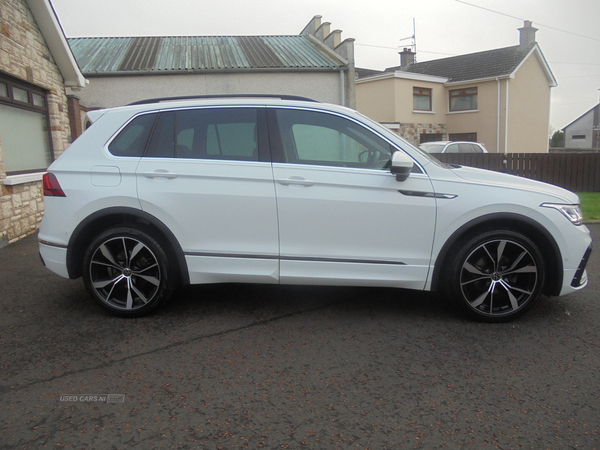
(412, 131)
(25, 55)
(22, 209)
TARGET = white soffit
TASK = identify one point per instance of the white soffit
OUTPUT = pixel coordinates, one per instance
(47, 21)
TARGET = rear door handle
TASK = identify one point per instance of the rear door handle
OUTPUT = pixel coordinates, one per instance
(160, 173)
(296, 181)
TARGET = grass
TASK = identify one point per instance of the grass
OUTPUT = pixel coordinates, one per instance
(590, 204)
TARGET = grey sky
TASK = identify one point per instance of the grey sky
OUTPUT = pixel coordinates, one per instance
(568, 35)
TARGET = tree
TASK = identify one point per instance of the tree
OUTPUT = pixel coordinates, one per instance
(558, 139)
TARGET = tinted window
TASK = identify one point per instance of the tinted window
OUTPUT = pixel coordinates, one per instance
(131, 141)
(226, 133)
(452, 148)
(317, 138)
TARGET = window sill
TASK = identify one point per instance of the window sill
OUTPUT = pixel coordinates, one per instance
(466, 111)
(416, 111)
(13, 180)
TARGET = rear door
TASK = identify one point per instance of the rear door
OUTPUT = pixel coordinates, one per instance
(206, 174)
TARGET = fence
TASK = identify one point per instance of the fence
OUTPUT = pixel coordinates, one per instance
(578, 172)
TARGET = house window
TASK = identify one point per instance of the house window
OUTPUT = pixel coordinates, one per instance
(463, 99)
(24, 128)
(421, 99)
(578, 136)
(470, 137)
(430, 137)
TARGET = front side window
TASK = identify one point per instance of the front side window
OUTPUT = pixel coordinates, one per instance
(421, 99)
(311, 137)
(24, 128)
(463, 99)
(221, 133)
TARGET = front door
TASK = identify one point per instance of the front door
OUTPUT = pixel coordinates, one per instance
(343, 217)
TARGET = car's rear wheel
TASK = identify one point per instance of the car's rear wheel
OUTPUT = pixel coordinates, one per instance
(497, 276)
(127, 271)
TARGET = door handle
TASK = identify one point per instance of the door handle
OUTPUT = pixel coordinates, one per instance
(296, 181)
(160, 173)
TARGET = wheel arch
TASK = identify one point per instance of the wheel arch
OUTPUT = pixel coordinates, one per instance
(507, 221)
(101, 220)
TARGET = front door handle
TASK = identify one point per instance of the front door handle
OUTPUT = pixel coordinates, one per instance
(160, 173)
(296, 181)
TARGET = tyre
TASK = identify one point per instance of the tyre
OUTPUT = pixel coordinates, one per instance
(496, 276)
(127, 272)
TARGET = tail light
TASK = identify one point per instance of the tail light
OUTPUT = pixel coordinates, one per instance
(51, 186)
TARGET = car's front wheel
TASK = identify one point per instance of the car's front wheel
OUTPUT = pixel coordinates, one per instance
(127, 271)
(497, 276)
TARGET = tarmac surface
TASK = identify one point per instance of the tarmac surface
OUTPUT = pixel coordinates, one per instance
(248, 366)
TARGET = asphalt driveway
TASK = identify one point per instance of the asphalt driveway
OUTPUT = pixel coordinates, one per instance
(245, 366)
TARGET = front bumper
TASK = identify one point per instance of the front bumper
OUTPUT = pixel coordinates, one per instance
(580, 279)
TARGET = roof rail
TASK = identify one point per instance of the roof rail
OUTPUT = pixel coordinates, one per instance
(191, 97)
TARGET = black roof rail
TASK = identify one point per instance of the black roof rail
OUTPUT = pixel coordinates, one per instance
(192, 97)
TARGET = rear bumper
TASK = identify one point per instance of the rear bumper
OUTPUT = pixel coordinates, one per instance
(54, 258)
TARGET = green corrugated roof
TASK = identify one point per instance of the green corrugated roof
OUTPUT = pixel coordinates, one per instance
(123, 55)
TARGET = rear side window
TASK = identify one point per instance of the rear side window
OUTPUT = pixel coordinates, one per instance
(452, 148)
(221, 133)
(132, 139)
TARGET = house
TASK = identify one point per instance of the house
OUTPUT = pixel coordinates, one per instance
(316, 63)
(499, 97)
(36, 64)
(584, 132)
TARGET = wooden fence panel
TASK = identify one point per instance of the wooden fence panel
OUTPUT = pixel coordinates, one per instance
(578, 172)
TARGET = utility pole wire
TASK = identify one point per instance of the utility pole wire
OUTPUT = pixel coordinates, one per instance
(518, 18)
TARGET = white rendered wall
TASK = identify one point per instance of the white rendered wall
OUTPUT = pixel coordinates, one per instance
(103, 92)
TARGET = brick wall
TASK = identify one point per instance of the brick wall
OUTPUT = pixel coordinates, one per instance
(25, 55)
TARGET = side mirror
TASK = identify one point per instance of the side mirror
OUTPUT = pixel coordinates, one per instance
(402, 165)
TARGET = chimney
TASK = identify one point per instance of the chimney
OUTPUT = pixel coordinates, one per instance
(407, 57)
(527, 33)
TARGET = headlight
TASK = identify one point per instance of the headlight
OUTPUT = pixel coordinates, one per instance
(571, 212)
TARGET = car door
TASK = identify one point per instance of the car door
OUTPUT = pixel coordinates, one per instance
(207, 175)
(343, 217)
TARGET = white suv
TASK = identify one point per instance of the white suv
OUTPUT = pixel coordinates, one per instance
(156, 195)
(453, 147)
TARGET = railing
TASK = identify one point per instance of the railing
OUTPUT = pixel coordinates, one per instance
(578, 172)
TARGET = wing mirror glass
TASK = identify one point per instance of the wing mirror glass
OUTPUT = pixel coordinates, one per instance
(402, 165)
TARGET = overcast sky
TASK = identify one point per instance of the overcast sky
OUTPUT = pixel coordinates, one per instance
(569, 31)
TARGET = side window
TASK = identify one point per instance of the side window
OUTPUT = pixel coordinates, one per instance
(452, 148)
(132, 139)
(465, 148)
(311, 137)
(222, 133)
